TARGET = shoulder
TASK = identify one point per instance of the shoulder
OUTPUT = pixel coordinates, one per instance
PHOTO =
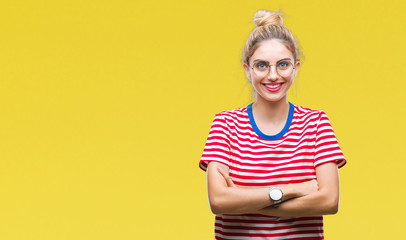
(234, 118)
(234, 114)
(305, 113)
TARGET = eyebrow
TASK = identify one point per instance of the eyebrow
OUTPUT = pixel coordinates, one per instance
(259, 60)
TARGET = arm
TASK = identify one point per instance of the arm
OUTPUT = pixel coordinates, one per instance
(322, 202)
(226, 198)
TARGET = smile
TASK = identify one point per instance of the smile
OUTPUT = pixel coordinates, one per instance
(273, 87)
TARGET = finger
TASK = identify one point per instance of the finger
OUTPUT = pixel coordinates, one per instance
(226, 177)
(316, 184)
(221, 171)
(229, 182)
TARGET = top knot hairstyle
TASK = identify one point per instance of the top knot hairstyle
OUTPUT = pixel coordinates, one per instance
(269, 25)
(264, 17)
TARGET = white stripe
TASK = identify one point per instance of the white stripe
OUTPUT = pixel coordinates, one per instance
(274, 155)
(335, 152)
(241, 230)
(267, 224)
(268, 181)
(265, 162)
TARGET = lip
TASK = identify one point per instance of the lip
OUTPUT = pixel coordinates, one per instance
(273, 89)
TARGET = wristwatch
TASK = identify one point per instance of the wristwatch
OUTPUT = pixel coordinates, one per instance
(276, 195)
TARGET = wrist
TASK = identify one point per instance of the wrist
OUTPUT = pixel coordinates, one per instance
(289, 192)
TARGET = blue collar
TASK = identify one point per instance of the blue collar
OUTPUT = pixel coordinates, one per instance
(271, 137)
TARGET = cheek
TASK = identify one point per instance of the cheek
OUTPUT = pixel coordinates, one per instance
(256, 83)
(289, 84)
(250, 77)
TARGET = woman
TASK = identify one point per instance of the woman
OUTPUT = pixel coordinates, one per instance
(272, 167)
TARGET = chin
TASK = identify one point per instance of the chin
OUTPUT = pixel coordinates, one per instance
(273, 99)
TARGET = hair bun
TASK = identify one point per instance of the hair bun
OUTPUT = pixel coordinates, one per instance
(265, 17)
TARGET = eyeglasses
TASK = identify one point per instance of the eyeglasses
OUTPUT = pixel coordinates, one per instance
(284, 68)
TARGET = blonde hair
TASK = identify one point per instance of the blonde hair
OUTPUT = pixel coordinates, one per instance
(269, 25)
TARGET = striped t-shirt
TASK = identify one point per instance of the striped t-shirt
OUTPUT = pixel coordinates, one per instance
(259, 160)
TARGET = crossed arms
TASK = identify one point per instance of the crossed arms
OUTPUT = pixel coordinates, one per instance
(311, 198)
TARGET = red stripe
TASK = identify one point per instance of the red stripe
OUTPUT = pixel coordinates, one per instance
(262, 171)
(240, 234)
(309, 225)
(226, 218)
(275, 176)
(285, 151)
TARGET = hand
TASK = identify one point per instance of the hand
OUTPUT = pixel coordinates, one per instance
(226, 177)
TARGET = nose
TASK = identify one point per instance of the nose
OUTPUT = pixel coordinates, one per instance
(272, 74)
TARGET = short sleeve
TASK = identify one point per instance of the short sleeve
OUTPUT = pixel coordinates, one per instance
(327, 148)
(217, 146)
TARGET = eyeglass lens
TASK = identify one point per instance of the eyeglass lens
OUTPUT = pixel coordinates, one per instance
(284, 68)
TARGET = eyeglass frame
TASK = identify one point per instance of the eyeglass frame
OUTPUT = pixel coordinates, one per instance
(270, 65)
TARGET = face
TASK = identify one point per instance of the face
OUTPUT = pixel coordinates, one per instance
(272, 87)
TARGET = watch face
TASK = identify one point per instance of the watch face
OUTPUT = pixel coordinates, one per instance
(275, 194)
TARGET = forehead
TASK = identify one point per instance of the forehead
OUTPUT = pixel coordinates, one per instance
(272, 51)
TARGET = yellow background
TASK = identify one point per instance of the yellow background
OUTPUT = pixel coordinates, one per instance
(106, 106)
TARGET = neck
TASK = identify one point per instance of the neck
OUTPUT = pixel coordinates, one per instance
(271, 112)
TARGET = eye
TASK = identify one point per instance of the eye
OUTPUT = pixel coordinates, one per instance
(284, 64)
(261, 65)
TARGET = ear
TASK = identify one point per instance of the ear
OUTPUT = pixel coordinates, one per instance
(247, 71)
(297, 66)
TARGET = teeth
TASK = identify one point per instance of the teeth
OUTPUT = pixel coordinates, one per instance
(273, 86)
